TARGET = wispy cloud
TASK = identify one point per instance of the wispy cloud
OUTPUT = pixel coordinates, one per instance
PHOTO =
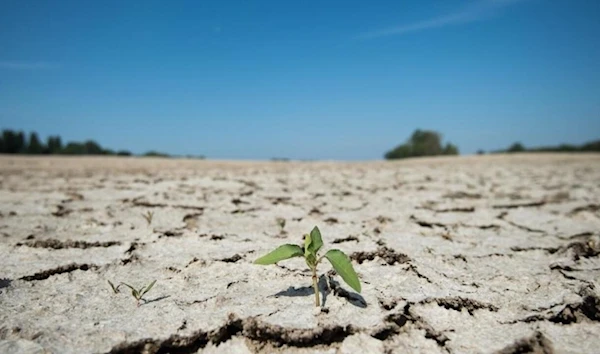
(27, 65)
(474, 11)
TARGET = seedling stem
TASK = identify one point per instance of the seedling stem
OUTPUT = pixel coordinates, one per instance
(316, 286)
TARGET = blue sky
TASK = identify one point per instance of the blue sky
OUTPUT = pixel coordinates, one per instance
(315, 80)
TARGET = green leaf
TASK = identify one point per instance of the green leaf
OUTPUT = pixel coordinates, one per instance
(148, 288)
(279, 254)
(115, 289)
(341, 264)
(134, 292)
(316, 241)
(129, 286)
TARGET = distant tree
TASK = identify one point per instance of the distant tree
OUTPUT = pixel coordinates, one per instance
(153, 153)
(21, 142)
(426, 143)
(399, 152)
(54, 145)
(35, 147)
(6, 141)
(516, 147)
(480, 152)
(93, 148)
(450, 149)
(591, 146)
(422, 143)
(73, 148)
(123, 153)
(13, 142)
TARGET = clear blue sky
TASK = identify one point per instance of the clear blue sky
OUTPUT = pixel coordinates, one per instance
(321, 79)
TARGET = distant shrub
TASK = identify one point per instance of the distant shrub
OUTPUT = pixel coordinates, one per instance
(422, 143)
(516, 147)
(153, 153)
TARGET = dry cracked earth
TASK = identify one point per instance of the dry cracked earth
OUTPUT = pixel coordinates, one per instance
(490, 254)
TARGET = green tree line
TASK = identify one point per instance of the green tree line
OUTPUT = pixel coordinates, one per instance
(591, 146)
(16, 142)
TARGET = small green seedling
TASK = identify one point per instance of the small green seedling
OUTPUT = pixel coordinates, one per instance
(148, 216)
(115, 289)
(281, 223)
(312, 243)
(138, 294)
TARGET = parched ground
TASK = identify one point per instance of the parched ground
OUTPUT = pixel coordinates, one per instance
(490, 254)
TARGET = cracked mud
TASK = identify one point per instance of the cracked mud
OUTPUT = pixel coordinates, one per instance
(492, 254)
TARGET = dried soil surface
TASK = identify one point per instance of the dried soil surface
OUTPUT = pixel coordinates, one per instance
(490, 254)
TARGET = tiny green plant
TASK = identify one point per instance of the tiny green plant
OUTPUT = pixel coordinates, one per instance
(312, 244)
(148, 216)
(115, 289)
(138, 294)
(281, 223)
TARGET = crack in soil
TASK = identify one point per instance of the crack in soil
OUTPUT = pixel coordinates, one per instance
(537, 343)
(570, 277)
(139, 202)
(522, 227)
(428, 224)
(453, 210)
(590, 207)
(389, 255)
(191, 220)
(59, 270)
(459, 303)
(247, 210)
(414, 269)
(398, 320)
(169, 233)
(57, 244)
(587, 309)
(588, 248)
(345, 239)
(233, 259)
(134, 246)
(249, 328)
(519, 205)
(462, 195)
(549, 250)
(353, 298)
(61, 211)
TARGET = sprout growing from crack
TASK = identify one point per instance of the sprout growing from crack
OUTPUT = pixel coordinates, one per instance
(148, 216)
(138, 294)
(312, 244)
